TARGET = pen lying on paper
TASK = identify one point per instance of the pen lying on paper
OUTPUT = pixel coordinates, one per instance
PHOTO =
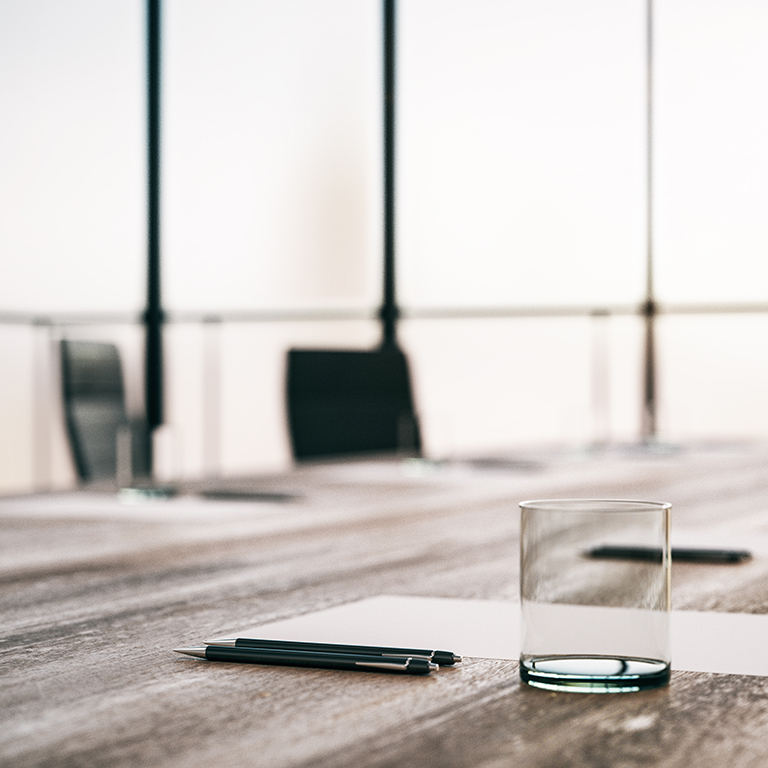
(443, 658)
(409, 666)
(681, 554)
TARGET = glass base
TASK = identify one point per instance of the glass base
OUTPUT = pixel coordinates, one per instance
(594, 674)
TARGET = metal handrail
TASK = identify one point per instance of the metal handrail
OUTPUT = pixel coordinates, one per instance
(413, 313)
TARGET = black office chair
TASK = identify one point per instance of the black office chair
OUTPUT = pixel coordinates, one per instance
(94, 407)
(344, 402)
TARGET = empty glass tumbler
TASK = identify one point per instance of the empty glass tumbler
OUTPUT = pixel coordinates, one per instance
(595, 594)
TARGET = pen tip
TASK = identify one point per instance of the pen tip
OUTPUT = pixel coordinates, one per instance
(229, 641)
(199, 652)
(456, 658)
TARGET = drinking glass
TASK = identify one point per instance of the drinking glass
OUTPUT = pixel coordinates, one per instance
(595, 594)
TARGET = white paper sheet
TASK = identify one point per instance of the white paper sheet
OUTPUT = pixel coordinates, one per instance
(728, 643)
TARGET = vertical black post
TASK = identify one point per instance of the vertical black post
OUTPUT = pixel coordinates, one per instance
(649, 307)
(389, 310)
(153, 317)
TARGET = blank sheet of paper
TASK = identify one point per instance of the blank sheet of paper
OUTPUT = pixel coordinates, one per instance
(728, 643)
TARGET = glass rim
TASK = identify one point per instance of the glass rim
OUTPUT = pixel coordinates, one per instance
(581, 505)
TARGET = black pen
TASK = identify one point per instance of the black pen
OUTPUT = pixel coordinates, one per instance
(409, 666)
(681, 554)
(443, 658)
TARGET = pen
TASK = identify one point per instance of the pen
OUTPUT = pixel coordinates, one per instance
(443, 658)
(681, 554)
(410, 666)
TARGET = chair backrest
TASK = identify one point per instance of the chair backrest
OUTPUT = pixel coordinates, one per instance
(94, 405)
(343, 402)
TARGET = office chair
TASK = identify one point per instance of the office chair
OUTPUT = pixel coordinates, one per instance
(344, 402)
(94, 407)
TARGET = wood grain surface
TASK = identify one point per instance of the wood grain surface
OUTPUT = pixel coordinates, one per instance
(95, 593)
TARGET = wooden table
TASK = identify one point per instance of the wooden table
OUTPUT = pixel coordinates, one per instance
(95, 594)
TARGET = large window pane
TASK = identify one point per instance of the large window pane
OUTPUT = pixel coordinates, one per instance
(522, 152)
(711, 157)
(72, 167)
(272, 141)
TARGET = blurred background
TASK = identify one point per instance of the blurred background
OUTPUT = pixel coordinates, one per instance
(522, 217)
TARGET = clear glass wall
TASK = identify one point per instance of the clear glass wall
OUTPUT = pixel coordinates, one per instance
(521, 209)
